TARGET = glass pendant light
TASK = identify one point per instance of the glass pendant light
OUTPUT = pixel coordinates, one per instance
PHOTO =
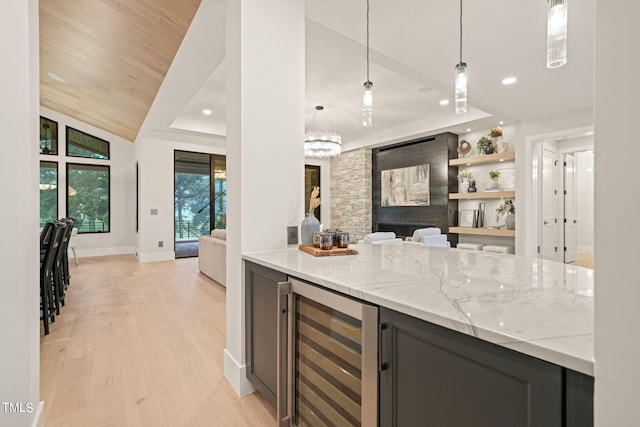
(367, 98)
(461, 78)
(556, 33)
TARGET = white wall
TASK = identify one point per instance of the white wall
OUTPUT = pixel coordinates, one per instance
(617, 347)
(121, 237)
(19, 253)
(265, 154)
(155, 157)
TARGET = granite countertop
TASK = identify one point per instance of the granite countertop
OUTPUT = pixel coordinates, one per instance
(537, 307)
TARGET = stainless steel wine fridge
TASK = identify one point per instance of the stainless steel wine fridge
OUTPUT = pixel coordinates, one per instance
(328, 358)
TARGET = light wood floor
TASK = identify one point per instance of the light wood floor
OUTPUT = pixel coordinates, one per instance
(141, 345)
(584, 260)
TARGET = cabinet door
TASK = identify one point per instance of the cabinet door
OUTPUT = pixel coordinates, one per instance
(261, 306)
(438, 377)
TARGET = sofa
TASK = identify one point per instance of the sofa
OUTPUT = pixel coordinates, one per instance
(212, 258)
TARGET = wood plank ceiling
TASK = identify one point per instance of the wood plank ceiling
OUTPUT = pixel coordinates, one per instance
(112, 55)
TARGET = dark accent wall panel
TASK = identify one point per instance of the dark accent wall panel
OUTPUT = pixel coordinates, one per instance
(435, 150)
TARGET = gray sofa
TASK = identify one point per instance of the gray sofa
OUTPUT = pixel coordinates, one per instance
(212, 258)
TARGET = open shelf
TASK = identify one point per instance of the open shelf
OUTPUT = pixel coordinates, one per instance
(487, 158)
(483, 195)
(483, 231)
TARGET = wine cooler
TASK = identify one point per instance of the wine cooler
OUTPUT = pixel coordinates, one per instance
(329, 376)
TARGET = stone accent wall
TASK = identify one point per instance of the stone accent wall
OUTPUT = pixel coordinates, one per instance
(351, 193)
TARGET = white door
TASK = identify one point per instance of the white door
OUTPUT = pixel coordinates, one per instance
(549, 248)
(570, 209)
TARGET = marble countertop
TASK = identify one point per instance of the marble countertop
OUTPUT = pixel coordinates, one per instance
(537, 307)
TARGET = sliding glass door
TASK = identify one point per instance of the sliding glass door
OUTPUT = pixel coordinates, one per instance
(200, 198)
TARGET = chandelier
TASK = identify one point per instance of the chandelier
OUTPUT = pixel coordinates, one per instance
(322, 144)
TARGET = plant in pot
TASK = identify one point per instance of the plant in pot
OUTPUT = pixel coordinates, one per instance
(485, 146)
(507, 207)
(464, 176)
(494, 175)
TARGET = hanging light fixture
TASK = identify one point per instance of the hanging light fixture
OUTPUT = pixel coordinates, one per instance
(367, 98)
(556, 33)
(461, 77)
(321, 144)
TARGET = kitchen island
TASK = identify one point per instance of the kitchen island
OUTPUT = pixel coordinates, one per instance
(539, 309)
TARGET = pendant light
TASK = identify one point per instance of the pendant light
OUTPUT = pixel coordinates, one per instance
(556, 33)
(367, 98)
(461, 78)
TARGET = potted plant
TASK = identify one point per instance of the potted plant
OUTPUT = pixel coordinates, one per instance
(464, 176)
(507, 207)
(494, 175)
(485, 146)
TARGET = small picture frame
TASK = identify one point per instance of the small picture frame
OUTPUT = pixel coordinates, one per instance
(507, 180)
(467, 218)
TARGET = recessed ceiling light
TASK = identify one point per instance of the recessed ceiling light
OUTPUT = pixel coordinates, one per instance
(207, 112)
(468, 129)
(56, 77)
(509, 80)
(501, 122)
(444, 102)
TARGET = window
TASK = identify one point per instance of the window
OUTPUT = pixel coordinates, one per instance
(48, 192)
(48, 136)
(88, 197)
(80, 144)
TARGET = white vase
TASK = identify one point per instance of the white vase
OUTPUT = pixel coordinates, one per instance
(464, 186)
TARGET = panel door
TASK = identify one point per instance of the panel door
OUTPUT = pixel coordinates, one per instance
(434, 376)
(570, 209)
(550, 244)
(261, 305)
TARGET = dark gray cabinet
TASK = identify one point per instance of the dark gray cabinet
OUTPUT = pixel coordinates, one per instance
(436, 376)
(261, 315)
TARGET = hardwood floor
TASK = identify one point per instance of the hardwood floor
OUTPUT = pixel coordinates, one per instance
(141, 345)
(584, 260)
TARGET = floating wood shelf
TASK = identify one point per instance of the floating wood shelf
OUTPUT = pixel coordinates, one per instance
(483, 195)
(488, 158)
(483, 231)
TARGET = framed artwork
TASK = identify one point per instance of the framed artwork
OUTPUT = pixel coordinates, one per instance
(408, 186)
(468, 217)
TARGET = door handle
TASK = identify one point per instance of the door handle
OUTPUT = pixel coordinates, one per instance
(381, 365)
(282, 392)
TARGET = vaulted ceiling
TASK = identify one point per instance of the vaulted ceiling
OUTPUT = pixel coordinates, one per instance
(114, 56)
(103, 61)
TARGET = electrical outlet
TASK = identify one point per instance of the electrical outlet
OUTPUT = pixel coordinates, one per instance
(154, 212)
(160, 243)
(292, 235)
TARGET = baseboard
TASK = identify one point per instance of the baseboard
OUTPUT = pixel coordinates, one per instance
(585, 249)
(236, 375)
(156, 256)
(121, 250)
(38, 416)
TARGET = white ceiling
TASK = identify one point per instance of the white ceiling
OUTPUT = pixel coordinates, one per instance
(414, 49)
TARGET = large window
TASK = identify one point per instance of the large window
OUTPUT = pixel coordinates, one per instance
(80, 144)
(48, 192)
(48, 136)
(88, 197)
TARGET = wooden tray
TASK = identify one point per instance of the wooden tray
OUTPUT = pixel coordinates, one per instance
(310, 249)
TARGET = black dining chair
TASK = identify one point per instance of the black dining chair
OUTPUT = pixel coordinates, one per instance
(65, 259)
(47, 301)
(59, 285)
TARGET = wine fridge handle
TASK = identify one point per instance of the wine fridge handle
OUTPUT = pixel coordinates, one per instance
(282, 406)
